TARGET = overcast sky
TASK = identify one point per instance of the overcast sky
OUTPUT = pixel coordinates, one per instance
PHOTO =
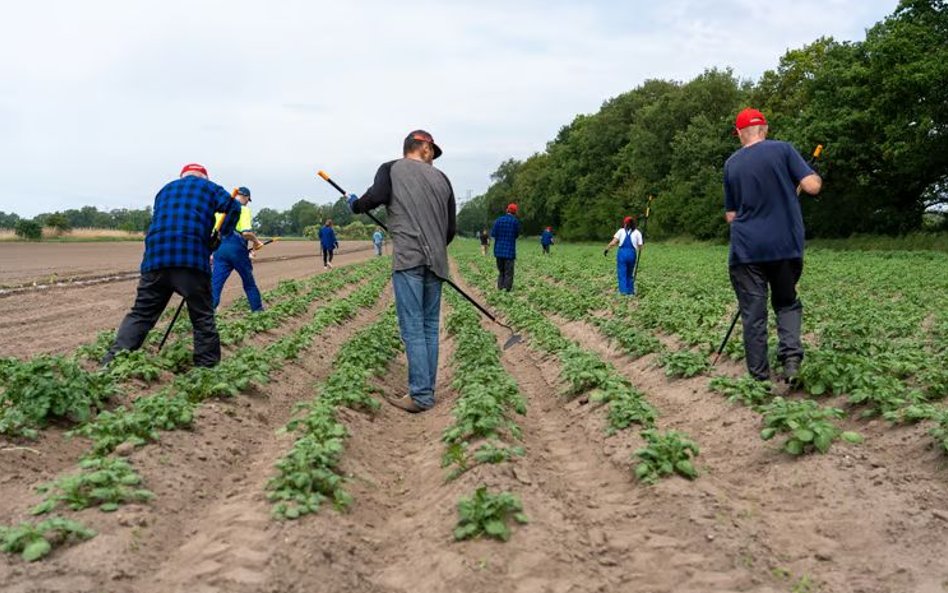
(102, 102)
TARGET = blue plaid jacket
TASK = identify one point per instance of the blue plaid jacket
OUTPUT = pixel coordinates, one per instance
(505, 232)
(182, 221)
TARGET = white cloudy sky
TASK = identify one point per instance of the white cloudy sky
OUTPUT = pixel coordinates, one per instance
(101, 102)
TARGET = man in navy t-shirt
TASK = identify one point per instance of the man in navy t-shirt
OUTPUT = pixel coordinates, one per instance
(761, 183)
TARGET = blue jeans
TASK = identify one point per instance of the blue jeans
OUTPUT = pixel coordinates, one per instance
(625, 269)
(418, 305)
(233, 255)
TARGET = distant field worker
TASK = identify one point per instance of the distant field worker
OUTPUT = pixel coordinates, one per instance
(505, 231)
(761, 183)
(377, 238)
(177, 260)
(328, 242)
(629, 240)
(234, 255)
(546, 239)
(485, 240)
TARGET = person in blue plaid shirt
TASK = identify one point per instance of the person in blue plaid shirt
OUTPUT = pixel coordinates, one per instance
(177, 260)
(505, 231)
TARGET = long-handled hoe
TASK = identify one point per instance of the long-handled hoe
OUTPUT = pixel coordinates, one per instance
(514, 338)
(648, 212)
(813, 157)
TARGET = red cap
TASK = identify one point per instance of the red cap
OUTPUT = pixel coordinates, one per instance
(626, 220)
(750, 117)
(512, 208)
(193, 167)
(549, 228)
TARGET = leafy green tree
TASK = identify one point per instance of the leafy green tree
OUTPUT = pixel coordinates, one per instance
(8, 221)
(301, 215)
(28, 229)
(59, 222)
(880, 107)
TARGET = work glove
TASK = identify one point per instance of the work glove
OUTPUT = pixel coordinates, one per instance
(336, 246)
(215, 241)
(605, 252)
(351, 199)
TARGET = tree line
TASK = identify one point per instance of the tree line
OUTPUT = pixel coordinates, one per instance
(86, 217)
(295, 220)
(879, 106)
(267, 221)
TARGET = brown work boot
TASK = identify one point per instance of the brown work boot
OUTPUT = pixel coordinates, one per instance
(406, 403)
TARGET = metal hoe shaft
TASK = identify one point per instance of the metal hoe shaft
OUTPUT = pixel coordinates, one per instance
(648, 212)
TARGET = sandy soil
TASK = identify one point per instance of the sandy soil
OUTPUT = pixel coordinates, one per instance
(866, 519)
(59, 319)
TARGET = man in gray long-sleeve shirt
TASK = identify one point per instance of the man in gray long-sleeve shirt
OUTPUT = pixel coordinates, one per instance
(421, 222)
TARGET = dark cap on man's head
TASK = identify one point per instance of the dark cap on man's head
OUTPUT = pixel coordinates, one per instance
(423, 136)
(243, 191)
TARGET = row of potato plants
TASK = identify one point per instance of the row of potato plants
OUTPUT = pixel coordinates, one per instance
(582, 371)
(484, 429)
(107, 482)
(874, 352)
(809, 426)
(612, 315)
(308, 475)
(50, 388)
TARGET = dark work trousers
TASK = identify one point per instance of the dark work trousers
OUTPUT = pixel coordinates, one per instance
(327, 256)
(154, 291)
(505, 271)
(750, 282)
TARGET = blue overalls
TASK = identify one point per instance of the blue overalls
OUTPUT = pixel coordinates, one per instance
(625, 265)
(233, 255)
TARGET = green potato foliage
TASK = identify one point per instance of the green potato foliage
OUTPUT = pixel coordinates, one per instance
(665, 454)
(487, 514)
(34, 541)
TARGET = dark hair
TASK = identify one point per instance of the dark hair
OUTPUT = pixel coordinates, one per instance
(411, 145)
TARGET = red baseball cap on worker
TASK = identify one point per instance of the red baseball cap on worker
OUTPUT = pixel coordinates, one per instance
(193, 168)
(626, 220)
(424, 136)
(749, 117)
(512, 208)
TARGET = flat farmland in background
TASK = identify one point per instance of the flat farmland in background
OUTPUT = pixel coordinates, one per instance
(26, 262)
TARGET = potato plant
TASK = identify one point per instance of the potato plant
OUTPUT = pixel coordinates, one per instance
(809, 426)
(488, 514)
(48, 388)
(36, 540)
(744, 390)
(665, 454)
(104, 482)
(684, 363)
(139, 424)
